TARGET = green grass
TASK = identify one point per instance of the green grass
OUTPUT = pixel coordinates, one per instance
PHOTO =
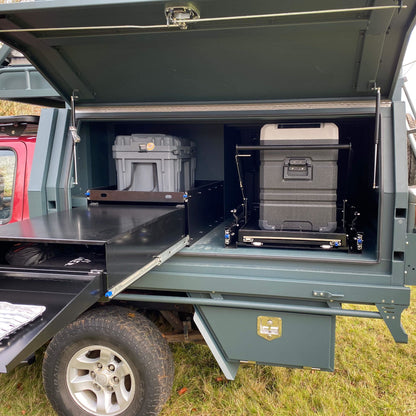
(373, 376)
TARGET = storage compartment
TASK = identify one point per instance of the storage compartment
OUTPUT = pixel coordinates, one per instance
(154, 162)
(273, 338)
(342, 176)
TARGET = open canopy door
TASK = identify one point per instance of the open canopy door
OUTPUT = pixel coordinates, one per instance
(151, 51)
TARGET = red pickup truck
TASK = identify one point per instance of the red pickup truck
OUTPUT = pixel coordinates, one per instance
(17, 145)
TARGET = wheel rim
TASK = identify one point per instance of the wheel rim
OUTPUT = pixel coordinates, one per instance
(100, 380)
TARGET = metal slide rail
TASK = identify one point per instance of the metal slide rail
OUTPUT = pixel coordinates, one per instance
(157, 261)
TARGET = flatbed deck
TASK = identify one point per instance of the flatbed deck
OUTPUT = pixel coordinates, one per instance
(92, 225)
(94, 249)
(212, 245)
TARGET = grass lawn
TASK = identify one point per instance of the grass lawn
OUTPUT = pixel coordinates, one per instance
(373, 376)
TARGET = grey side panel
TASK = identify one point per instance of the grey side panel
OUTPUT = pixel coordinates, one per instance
(37, 184)
(58, 179)
(401, 192)
(229, 369)
(410, 260)
(49, 180)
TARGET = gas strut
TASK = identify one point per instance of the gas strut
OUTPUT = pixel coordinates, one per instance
(376, 136)
(75, 137)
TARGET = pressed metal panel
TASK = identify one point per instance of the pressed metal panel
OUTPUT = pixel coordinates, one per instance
(315, 55)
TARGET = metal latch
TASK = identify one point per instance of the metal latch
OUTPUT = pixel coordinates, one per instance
(299, 165)
(269, 327)
(178, 15)
(327, 295)
(299, 168)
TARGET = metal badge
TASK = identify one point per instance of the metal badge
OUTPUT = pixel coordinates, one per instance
(269, 327)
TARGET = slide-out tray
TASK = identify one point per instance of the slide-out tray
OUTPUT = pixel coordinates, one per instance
(123, 243)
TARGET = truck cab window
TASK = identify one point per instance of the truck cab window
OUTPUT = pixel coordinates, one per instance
(7, 176)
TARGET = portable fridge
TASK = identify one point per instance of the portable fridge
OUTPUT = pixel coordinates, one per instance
(298, 188)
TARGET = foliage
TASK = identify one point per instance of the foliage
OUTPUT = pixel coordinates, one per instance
(11, 108)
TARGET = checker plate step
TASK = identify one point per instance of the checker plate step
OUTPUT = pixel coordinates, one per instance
(13, 317)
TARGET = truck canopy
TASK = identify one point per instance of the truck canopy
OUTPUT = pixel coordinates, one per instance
(20, 81)
(133, 51)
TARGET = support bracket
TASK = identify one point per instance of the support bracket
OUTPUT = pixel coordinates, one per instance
(391, 315)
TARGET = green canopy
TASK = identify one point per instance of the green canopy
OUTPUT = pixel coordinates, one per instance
(123, 51)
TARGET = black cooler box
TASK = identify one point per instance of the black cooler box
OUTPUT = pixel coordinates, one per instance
(298, 188)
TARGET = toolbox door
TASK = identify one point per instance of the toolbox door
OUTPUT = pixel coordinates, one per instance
(133, 51)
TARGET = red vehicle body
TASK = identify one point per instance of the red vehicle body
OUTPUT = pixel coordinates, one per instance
(17, 145)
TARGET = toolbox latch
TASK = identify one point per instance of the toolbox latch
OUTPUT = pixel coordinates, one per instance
(180, 15)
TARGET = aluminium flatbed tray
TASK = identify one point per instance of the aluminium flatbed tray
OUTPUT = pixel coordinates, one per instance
(96, 224)
(129, 237)
(122, 242)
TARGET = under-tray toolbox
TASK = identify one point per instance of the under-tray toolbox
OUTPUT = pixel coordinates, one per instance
(298, 188)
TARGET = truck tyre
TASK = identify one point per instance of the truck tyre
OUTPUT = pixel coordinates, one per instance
(109, 362)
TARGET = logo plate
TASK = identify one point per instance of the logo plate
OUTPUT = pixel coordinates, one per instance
(269, 327)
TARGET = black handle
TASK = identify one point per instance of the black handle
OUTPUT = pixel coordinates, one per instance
(296, 147)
